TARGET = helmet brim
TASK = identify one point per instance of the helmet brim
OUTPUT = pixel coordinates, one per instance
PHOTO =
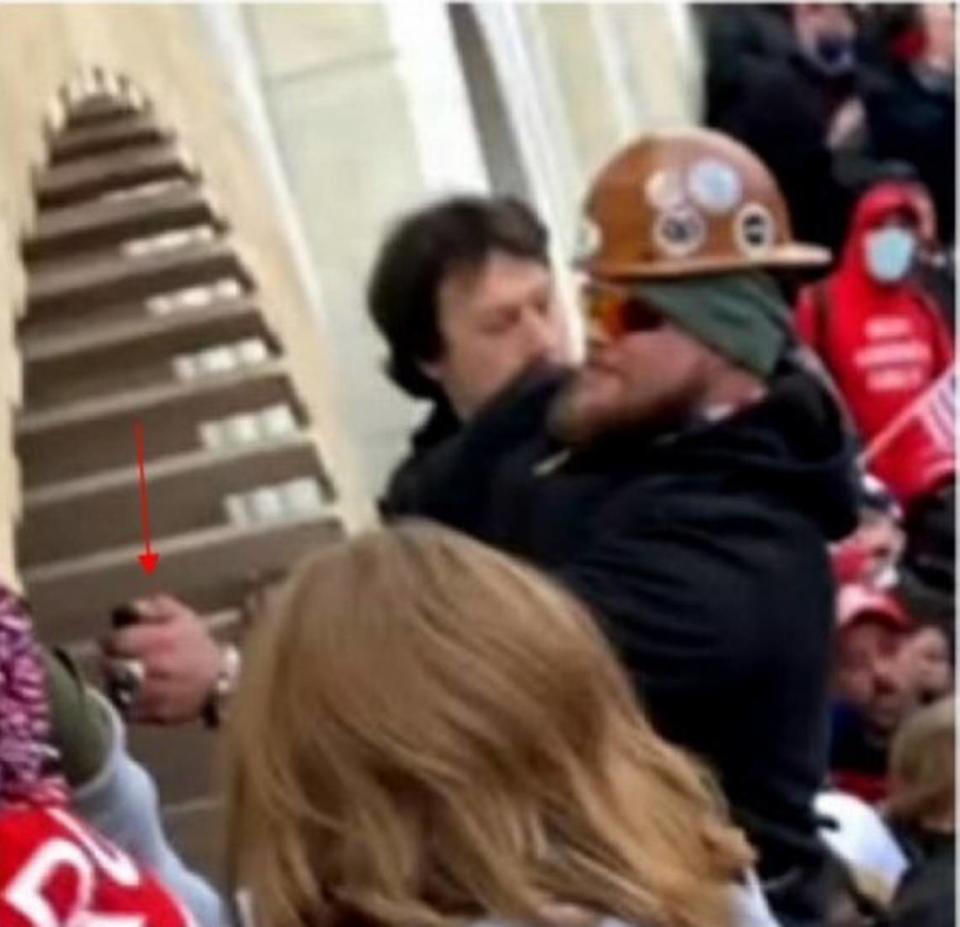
(782, 257)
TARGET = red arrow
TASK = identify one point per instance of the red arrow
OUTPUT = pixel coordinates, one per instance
(148, 559)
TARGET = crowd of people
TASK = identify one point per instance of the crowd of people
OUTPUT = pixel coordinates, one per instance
(833, 96)
(661, 639)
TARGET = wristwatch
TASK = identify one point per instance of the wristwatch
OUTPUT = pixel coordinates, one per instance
(223, 686)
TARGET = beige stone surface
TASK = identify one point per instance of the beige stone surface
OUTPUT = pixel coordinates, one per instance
(640, 67)
(660, 76)
(575, 56)
(347, 143)
(292, 38)
(351, 162)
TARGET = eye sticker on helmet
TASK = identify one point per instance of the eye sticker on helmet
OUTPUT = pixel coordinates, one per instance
(589, 240)
(754, 229)
(714, 186)
(664, 190)
(679, 232)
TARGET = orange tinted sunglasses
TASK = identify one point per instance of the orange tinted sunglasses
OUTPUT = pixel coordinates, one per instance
(618, 312)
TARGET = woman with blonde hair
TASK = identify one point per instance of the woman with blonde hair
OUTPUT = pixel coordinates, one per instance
(427, 733)
(923, 769)
(922, 810)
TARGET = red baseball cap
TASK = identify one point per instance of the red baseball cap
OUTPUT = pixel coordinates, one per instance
(857, 603)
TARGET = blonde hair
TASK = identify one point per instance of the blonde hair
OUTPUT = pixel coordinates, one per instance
(922, 766)
(426, 732)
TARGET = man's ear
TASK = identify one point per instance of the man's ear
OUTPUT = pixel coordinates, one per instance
(431, 369)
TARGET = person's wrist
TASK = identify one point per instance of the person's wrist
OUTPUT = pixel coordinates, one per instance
(223, 685)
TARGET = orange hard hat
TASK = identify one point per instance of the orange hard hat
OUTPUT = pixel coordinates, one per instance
(686, 202)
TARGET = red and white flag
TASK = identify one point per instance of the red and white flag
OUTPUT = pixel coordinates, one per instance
(939, 412)
(917, 449)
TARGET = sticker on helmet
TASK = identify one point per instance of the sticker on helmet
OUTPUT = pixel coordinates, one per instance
(754, 228)
(664, 190)
(679, 232)
(589, 239)
(714, 186)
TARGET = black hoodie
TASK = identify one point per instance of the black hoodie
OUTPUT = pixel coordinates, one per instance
(703, 554)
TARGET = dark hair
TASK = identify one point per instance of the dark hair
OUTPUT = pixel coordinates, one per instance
(931, 537)
(928, 566)
(861, 175)
(458, 233)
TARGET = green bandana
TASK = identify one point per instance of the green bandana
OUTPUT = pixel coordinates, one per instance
(740, 315)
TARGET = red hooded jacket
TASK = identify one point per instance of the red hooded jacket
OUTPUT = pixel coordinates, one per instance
(885, 345)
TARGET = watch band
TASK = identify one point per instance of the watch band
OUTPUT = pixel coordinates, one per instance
(223, 686)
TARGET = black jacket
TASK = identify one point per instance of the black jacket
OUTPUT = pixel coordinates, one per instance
(927, 895)
(703, 554)
(441, 423)
(734, 37)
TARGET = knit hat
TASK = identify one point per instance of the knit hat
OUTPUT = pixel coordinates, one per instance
(28, 761)
(740, 315)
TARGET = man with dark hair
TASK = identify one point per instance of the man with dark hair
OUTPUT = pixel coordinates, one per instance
(435, 254)
(463, 295)
(872, 690)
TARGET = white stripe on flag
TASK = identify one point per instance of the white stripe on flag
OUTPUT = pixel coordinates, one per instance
(935, 411)
(939, 414)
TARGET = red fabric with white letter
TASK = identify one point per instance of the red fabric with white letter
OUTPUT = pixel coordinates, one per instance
(56, 872)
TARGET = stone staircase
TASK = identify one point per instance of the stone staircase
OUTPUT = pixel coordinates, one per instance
(140, 309)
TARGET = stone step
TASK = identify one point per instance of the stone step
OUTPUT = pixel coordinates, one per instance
(55, 325)
(79, 141)
(186, 494)
(97, 434)
(100, 108)
(54, 364)
(111, 278)
(212, 569)
(108, 222)
(87, 178)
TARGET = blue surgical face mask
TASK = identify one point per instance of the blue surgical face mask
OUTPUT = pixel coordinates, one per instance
(890, 253)
(833, 54)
